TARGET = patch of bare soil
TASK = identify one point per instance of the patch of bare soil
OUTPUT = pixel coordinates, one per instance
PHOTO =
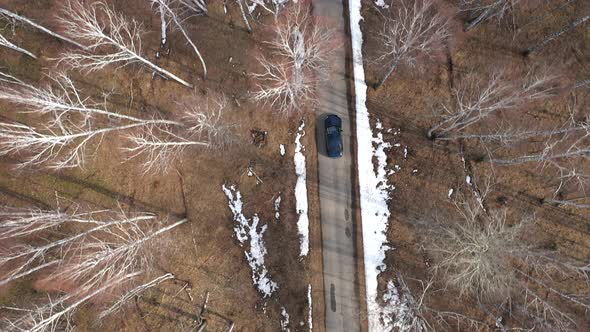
(203, 254)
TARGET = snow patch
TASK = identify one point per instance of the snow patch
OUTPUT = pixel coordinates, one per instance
(400, 315)
(262, 3)
(249, 234)
(277, 204)
(284, 320)
(310, 312)
(282, 149)
(373, 186)
(451, 191)
(381, 3)
(301, 191)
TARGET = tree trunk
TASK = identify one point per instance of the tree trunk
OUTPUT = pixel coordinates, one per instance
(389, 72)
(479, 19)
(556, 35)
(4, 42)
(40, 27)
(244, 17)
(540, 157)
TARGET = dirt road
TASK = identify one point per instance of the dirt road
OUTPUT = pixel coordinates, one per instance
(335, 181)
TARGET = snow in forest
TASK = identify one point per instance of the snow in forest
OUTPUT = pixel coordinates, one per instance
(282, 149)
(284, 320)
(277, 205)
(398, 311)
(249, 233)
(301, 191)
(373, 186)
(310, 312)
(381, 3)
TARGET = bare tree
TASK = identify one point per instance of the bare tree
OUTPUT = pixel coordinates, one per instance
(112, 39)
(508, 136)
(54, 148)
(564, 148)
(247, 8)
(30, 259)
(15, 17)
(411, 32)
(476, 99)
(414, 314)
(482, 11)
(564, 151)
(77, 120)
(71, 128)
(111, 249)
(299, 61)
(490, 255)
(578, 203)
(4, 42)
(581, 83)
(206, 120)
(117, 251)
(198, 7)
(539, 46)
(168, 12)
(18, 222)
(159, 146)
(135, 292)
(160, 7)
(50, 316)
(204, 126)
(61, 98)
(471, 252)
(244, 16)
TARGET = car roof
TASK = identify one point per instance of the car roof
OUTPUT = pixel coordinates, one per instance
(333, 120)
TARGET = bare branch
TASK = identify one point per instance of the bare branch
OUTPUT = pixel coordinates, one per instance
(16, 223)
(7, 13)
(111, 39)
(27, 255)
(44, 147)
(166, 11)
(556, 35)
(47, 317)
(198, 7)
(60, 98)
(119, 251)
(135, 292)
(411, 32)
(4, 42)
(476, 100)
(487, 10)
(159, 146)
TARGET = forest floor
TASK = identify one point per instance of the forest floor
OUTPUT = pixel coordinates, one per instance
(429, 180)
(203, 254)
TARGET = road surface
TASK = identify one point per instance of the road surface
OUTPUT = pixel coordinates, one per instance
(335, 178)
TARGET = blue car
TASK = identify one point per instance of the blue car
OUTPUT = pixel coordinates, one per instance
(333, 128)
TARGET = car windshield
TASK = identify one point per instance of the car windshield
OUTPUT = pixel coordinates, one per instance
(332, 130)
